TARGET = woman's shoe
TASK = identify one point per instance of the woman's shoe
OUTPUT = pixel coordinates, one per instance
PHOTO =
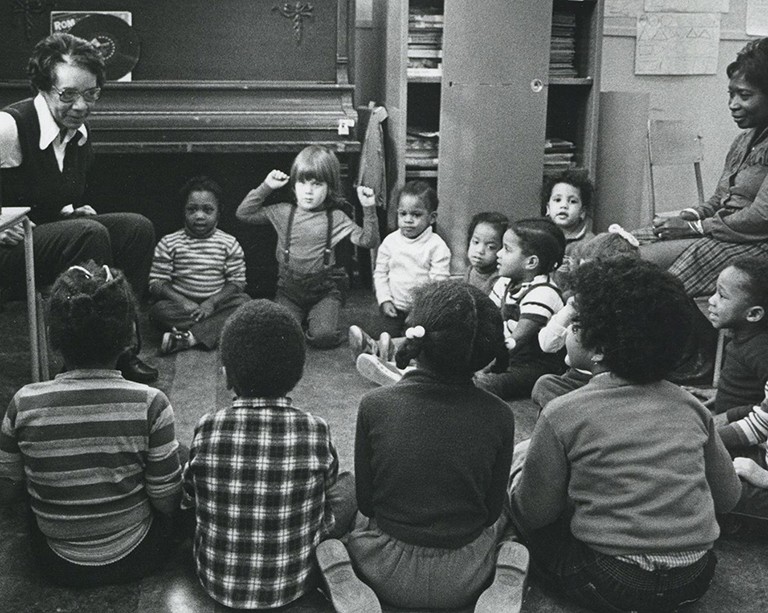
(133, 369)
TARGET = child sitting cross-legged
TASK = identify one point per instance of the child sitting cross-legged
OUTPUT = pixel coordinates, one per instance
(432, 456)
(198, 273)
(623, 478)
(98, 453)
(528, 297)
(407, 258)
(262, 475)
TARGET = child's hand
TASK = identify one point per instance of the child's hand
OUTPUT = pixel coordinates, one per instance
(751, 472)
(366, 196)
(388, 309)
(276, 179)
(203, 311)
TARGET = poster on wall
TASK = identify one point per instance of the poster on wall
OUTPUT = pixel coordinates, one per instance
(677, 43)
(110, 31)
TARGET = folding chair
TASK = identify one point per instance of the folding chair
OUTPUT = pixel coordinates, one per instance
(673, 143)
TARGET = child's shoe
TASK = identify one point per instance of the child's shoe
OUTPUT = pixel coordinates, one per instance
(385, 347)
(176, 340)
(348, 593)
(361, 342)
(377, 370)
(507, 591)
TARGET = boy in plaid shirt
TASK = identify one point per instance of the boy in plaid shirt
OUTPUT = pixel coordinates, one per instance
(262, 474)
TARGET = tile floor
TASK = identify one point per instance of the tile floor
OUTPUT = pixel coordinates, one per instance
(331, 388)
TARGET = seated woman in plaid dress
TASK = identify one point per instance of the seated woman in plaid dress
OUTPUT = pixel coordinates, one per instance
(733, 223)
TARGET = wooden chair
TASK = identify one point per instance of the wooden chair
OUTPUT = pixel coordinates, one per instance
(673, 143)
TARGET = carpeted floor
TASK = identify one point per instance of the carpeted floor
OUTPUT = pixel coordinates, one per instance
(330, 388)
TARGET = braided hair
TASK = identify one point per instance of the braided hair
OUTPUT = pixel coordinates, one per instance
(462, 330)
(92, 311)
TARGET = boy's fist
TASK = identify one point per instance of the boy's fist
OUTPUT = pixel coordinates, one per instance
(276, 179)
(366, 196)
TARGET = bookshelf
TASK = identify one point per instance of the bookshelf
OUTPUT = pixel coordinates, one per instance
(509, 80)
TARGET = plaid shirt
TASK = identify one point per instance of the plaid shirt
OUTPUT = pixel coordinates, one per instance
(258, 475)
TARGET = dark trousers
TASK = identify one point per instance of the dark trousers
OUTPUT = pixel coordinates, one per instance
(604, 583)
(147, 558)
(123, 240)
(169, 314)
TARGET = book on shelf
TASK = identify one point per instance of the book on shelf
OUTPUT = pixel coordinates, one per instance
(554, 144)
(420, 162)
(418, 52)
(424, 63)
(424, 72)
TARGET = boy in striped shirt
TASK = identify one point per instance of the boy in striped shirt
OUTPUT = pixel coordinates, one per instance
(198, 273)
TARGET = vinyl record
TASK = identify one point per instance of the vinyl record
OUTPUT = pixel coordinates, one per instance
(117, 42)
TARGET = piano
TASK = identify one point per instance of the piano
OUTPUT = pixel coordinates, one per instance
(232, 89)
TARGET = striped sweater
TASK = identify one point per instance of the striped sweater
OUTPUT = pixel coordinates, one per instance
(750, 430)
(94, 449)
(198, 268)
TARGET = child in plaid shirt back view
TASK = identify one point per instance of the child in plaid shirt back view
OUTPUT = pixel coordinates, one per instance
(262, 474)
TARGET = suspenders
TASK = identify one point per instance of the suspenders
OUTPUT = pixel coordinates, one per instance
(289, 230)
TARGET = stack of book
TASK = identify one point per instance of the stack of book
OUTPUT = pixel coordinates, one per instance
(421, 148)
(425, 40)
(562, 54)
(559, 154)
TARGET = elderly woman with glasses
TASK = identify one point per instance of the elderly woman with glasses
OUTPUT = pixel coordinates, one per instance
(45, 155)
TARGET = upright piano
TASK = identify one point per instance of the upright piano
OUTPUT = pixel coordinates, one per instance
(231, 88)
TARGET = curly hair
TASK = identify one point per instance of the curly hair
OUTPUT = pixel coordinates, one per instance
(578, 179)
(262, 349)
(92, 311)
(756, 272)
(61, 48)
(463, 330)
(752, 64)
(498, 221)
(540, 236)
(422, 191)
(319, 163)
(634, 313)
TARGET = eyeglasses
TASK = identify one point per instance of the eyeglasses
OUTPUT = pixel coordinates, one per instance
(71, 94)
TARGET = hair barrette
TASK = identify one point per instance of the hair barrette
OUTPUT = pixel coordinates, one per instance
(108, 273)
(615, 228)
(85, 271)
(415, 332)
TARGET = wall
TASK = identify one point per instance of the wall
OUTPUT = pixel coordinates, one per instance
(698, 98)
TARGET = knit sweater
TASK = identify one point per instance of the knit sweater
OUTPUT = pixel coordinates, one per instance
(641, 466)
(743, 375)
(403, 264)
(432, 459)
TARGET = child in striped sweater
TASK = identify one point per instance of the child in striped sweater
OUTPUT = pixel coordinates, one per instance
(98, 453)
(198, 273)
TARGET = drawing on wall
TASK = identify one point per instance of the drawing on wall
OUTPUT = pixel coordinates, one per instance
(757, 17)
(687, 6)
(677, 43)
(623, 8)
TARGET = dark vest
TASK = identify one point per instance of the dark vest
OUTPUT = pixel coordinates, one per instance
(38, 182)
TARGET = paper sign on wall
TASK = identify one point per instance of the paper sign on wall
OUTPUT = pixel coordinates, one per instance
(757, 17)
(677, 43)
(623, 8)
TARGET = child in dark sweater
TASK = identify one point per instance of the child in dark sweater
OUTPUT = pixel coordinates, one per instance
(432, 456)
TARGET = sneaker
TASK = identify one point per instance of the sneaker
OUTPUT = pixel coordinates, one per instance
(174, 341)
(507, 591)
(385, 347)
(377, 370)
(361, 342)
(347, 592)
